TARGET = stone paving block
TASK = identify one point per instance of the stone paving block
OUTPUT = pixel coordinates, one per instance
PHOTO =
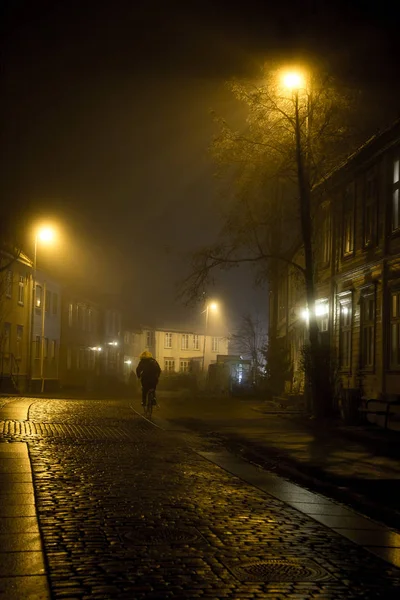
(13, 564)
(34, 587)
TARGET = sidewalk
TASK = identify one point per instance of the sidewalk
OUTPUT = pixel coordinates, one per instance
(126, 510)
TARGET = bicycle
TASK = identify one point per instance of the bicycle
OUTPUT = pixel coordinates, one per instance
(149, 403)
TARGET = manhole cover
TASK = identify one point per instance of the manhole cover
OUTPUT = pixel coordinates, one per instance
(280, 569)
(163, 535)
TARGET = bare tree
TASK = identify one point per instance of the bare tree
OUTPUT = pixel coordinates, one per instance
(277, 161)
(249, 340)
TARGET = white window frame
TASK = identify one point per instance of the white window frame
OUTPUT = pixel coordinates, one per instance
(394, 332)
(38, 297)
(215, 344)
(185, 341)
(19, 341)
(21, 290)
(70, 314)
(396, 195)
(196, 341)
(169, 365)
(184, 366)
(168, 340)
(345, 331)
(348, 220)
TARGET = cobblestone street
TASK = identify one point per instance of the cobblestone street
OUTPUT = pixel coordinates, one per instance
(127, 510)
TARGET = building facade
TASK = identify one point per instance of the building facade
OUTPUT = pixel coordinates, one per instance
(15, 322)
(179, 351)
(357, 258)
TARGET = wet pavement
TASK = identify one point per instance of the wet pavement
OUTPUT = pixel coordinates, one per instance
(126, 509)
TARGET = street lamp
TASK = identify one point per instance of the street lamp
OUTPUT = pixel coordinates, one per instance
(44, 235)
(213, 306)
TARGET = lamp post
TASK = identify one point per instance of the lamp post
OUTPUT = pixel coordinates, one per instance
(213, 306)
(45, 235)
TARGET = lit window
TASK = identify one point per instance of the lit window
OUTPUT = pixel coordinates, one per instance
(185, 341)
(345, 322)
(395, 330)
(168, 340)
(184, 366)
(70, 314)
(348, 220)
(38, 296)
(195, 342)
(21, 289)
(215, 344)
(395, 196)
(367, 307)
(18, 345)
(169, 364)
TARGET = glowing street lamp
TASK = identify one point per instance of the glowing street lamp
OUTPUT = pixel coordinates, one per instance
(293, 80)
(213, 306)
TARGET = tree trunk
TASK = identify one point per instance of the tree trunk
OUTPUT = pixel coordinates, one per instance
(317, 399)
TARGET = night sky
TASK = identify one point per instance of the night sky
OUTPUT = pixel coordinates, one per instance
(105, 123)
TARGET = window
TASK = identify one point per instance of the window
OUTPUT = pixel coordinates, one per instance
(38, 296)
(9, 278)
(370, 208)
(81, 317)
(37, 346)
(148, 339)
(169, 364)
(395, 196)
(21, 289)
(53, 349)
(89, 320)
(55, 304)
(326, 237)
(348, 220)
(81, 358)
(195, 342)
(168, 340)
(184, 366)
(185, 341)
(18, 342)
(395, 330)
(367, 306)
(92, 360)
(46, 348)
(345, 321)
(69, 359)
(215, 344)
(70, 314)
(48, 301)
(6, 338)
(322, 315)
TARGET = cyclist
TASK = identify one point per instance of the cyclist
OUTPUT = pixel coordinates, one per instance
(148, 371)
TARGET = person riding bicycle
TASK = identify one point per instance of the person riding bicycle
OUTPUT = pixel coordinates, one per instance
(148, 371)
